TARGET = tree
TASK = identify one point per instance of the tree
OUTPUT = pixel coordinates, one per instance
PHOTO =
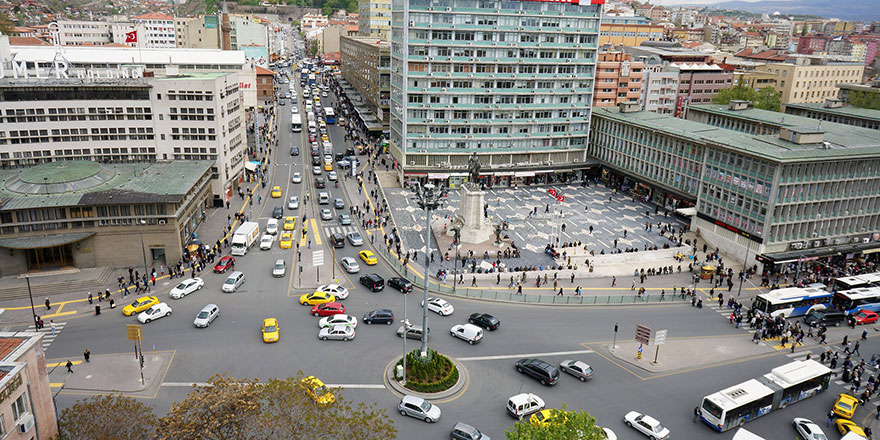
(578, 425)
(5, 24)
(766, 99)
(859, 98)
(108, 417)
(230, 409)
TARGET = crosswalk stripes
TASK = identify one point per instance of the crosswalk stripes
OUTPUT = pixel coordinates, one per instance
(47, 332)
(339, 229)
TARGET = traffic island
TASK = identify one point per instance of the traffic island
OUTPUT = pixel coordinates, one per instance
(434, 377)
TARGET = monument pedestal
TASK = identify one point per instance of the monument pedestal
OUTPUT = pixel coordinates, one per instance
(474, 228)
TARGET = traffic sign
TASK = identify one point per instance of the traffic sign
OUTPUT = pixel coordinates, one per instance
(133, 331)
(318, 258)
(643, 334)
(660, 337)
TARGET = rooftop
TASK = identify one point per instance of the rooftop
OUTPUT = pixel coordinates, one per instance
(8, 345)
(844, 139)
(153, 16)
(847, 110)
(69, 183)
(104, 55)
(373, 41)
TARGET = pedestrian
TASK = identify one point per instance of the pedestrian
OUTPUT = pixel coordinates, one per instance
(697, 413)
(864, 335)
(831, 417)
(856, 349)
(87, 354)
(560, 292)
(69, 364)
(613, 281)
(52, 324)
(48, 304)
(90, 297)
(474, 282)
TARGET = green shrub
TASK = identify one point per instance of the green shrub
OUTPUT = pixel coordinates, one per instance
(438, 374)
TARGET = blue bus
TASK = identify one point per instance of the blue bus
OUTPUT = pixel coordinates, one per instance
(861, 298)
(329, 115)
(792, 301)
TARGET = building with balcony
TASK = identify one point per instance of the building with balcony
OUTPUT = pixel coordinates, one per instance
(159, 30)
(509, 81)
(618, 79)
(628, 31)
(374, 19)
(810, 79)
(27, 407)
(366, 68)
(659, 91)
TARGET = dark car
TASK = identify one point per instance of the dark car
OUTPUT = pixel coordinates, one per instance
(224, 264)
(484, 320)
(401, 284)
(337, 239)
(338, 203)
(316, 161)
(827, 317)
(379, 316)
(319, 182)
(544, 372)
(373, 282)
(294, 151)
(349, 152)
(278, 212)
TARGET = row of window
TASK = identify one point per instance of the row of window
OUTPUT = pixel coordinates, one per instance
(523, 53)
(548, 100)
(544, 69)
(823, 228)
(422, 19)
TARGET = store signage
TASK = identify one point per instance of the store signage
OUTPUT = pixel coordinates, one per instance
(11, 386)
(734, 229)
(59, 68)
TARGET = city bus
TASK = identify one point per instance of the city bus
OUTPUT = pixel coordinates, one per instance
(329, 115)
(792, 301)
(783, 386)
(296, 124)
(856, 281)
(311, 79)
(304, 74)
(861, 298)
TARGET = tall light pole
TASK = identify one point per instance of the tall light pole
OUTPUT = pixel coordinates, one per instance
(141, 223)
(31, 296)
(428, 198)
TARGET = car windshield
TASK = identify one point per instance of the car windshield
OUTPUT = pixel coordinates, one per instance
(279, 265)
(229, 281)
(844, 405)
(182, 285)
(817, 314)
(270, 328)
(426, 406)
(135, 304)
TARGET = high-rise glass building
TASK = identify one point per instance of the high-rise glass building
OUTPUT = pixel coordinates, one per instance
(511, 81)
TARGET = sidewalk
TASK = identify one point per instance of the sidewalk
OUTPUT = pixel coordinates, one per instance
(112, 373)
(680, 353)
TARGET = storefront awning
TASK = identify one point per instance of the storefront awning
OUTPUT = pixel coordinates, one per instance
(251, 166)
(43, 241)
(687, 212)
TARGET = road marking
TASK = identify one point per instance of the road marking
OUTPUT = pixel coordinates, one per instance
(56, 384)
(60, 364)
(367, 386)
(526, 355)
(315, 233)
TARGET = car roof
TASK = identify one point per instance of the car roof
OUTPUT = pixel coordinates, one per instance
(412, 399)
(208, 307)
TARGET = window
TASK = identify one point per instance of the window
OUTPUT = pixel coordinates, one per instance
(18, 407)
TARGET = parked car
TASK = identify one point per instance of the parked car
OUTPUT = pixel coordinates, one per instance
(647, 425)
(337, 332)
(206, 316)
(331, 308)
(403, 285)
(160, 310)
(419, 408)
(186, 287)
(578, 369)
(334, 289)
(541, 370)
(484, 320)
(339, 319)
(379, 316)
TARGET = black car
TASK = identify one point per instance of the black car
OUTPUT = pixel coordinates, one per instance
(373, 282)
(401, 284)
(316, 161)
(319, 182)
(379, 316)
(337, 239)
(278, 212)
(484, 320)
(349, 151)
(542, 371)
(294, 151)
(828, 317)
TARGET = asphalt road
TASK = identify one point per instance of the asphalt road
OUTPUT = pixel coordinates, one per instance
(232, 344)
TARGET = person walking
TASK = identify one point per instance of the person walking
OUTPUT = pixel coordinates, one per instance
(52, 324)
(855, 348)
(69, 365)
(697, 413)
(90, 297)
(613, 281)
(831, 418)
(48, 304)
(87, 354)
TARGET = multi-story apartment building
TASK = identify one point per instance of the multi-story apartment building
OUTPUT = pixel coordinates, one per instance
(809, 79)
(509, 81)
(89, 33)
(699, 83)
(247, 32)
(836, 110)
(314, 20)
(810, 44)
(618, 79)
(766, 186)
(659, 89)
(159, 30)
(202, 32)
(628, 31)
(374, 19)
(27, 407)
(366, 66)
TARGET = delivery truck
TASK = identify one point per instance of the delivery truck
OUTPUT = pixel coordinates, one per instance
(245, 237)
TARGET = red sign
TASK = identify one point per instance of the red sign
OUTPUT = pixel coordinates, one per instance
(552, 192)
(557, 194)
(576, 2)
(131, 37)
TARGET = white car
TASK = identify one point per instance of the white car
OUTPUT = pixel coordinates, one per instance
(266, 241)
(334, 320)
(207, 315)
(317, 170)
(609, 434)
(279, 268)
(160, 310)
(272, 226)
(326, 214)
(439, 306)
(294, 109)
(524, 404)
(324, 94)
(334, 289)
(186, 287)
(808, 430)
(350, 265)
(647, 425)
(297, 177)
(293, 203)
(342, 332)
(332, 176)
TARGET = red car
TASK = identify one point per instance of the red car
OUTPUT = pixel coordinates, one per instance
(865, 317)
(225, 263)
(333, 308)
(312, 137)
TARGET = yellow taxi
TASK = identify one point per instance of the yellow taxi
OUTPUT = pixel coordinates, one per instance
(845, 406)
(317, 391)
(270, 330)
(368, 257)
(545, 417)
(276, 192)
(286, 240)
(315, 298)
(328, 166)
(139, 305)
(317, 99)
(846, 426)
(325, 138)
(289, 223)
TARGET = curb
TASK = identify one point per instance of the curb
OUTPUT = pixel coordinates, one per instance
(456, 389)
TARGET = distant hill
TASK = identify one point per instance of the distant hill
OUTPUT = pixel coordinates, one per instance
(857, 10)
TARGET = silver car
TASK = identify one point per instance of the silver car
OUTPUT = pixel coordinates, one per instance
(578, 369)
(339, 332)
(207, 315)
(419, 408)
(293, 203)
(297, 177)
(326, 214)
(350, 265)
(355, 238)
(279, 269)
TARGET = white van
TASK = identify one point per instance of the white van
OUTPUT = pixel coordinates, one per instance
(524, 404)
(467, 332)
(323, 198)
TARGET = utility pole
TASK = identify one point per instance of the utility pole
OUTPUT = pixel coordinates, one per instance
(428, 198)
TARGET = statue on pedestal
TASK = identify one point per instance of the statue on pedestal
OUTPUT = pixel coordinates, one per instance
(474, 170)
(497, 234)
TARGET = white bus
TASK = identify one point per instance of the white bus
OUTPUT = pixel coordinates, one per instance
(860, 298)
(792, 301)
(784, 385)
(296, 124)
(856, 281)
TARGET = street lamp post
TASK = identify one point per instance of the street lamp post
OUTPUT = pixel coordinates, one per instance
(31, 296)
(428, 199)
(142, 222)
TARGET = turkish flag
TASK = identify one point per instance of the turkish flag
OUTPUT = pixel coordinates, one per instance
(597, 2)
(131, 37)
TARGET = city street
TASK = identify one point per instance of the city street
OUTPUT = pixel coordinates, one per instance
(232, 344)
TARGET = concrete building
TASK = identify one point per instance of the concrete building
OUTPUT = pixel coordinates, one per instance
(27, 408)
(159, 30)
(329, 39)
(249, 34)
(510, 81)
(659, 91)
(73, 213)
(846, 90)
(628, 31)
(809, 79)
(767, 187)
(202, 32)
(618, 79)
(836, 110)
(84, 33)
(699, 83)
(811, 44)
(313, 20)
(374, 19)
(366, 66)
